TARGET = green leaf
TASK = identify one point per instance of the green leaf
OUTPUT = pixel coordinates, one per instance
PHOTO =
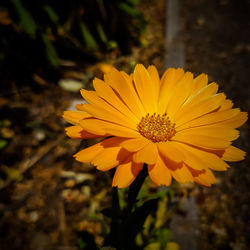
(172, 246)
(158, 195)
(88, 38)
(121, 196)
(6, 123)
(134, 223)
(26, 20)
(153, 246)
(134, 1)
(161, 212)
(51, 13)
(3, 143)
(164, 236)
(102, 33)
(145, 195)
(12, 173)
(144, 189)
(128, 9)
(50, 51)
(112, 44)
(139, 239)
(81, 243)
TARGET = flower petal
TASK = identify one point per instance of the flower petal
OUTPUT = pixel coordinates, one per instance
(122, 131)
(224, 133)
(126, 173)
(190, 158)
(168, 81)
(147, 154)
(206, 142)
(182, 174)
(97, 126)
(180, 94)
(202, 95)
(199, 109)
(208, 91)
(101, 114)
(199, 82)
(145, 89)
(170, 153)
(159, 173)
(206, 179)
(77, 132)
(88, 154)
(227, 104)
(135, 144)
(233, 154)
(74, 117)
(110, 158)
(122, 84)
(236, 121)
(107, 93)
(199, 159)
(153, 73)
(211, 118)
(102, 110)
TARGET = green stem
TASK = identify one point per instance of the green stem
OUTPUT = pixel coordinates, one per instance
(135, 188)
(120, 235)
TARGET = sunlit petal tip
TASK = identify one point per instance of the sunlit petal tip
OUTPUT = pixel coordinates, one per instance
(87, 155)
(95, 81)
(244, 117)
(205, 179)
(159, 173)
(77, 132)
(80, 107)
(139, 66)
(203, 75)
(201, 81)
(153, 72)
(233, 154)
(227, 104)
(83, 91)
(74, 132)
(182, 175)
(74, 117)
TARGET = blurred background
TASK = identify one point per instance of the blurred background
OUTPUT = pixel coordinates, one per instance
(49, 50)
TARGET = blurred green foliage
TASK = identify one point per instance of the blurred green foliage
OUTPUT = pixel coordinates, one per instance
(139, 216)
(36, 35)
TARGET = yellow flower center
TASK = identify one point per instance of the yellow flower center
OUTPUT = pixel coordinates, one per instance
(156, 128)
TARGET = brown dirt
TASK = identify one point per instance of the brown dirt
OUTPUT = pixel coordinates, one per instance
(216, 35)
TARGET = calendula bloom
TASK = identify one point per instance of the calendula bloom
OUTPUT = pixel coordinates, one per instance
(178, 125)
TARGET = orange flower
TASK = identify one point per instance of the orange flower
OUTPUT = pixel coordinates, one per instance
(178, 125)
